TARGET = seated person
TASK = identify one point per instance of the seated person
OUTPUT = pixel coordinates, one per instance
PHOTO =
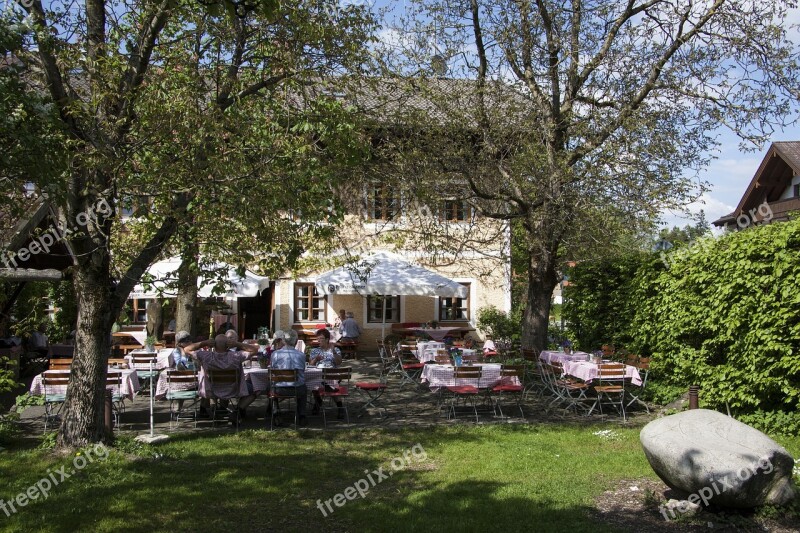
(39, 342)
(349, 329)
(326, 356)
(179, 359)
(285, 357)
(222, 358)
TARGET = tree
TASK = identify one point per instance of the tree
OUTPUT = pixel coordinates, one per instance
(588, 115)
(98, 62)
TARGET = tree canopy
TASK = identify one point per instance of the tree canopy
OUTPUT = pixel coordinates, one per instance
(194, 114)
(586, 116)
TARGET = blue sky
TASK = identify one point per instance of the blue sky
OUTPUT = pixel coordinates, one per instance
(728, 175)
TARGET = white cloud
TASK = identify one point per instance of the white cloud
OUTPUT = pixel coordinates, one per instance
(713, 208)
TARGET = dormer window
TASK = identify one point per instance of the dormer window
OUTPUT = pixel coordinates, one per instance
(796, 190)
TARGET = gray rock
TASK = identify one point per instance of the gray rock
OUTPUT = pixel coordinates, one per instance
(717, 460)
(679, 508)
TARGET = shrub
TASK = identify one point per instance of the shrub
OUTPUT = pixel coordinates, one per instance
(498, 324)
(725, 315)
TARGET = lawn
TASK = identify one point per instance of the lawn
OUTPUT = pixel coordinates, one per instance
(473, 478)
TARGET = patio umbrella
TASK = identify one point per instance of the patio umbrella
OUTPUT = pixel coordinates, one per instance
(161, 280)
(387, 274)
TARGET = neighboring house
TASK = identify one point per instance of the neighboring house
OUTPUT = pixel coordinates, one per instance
(774, 191)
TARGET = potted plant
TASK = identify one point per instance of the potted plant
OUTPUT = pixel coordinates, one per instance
(150, 343)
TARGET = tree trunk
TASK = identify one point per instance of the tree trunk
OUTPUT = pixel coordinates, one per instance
(84, 406)
(186, 302)
(154, 319)
(542, 280)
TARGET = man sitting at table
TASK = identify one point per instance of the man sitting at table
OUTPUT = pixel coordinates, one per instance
(285, 357)
(223, 358)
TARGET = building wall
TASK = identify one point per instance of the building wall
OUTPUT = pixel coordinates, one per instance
(491, 287)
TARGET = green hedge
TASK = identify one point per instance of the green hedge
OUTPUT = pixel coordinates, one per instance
(725, 315)
(722, 313)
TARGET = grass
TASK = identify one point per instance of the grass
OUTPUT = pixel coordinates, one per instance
(473, 478)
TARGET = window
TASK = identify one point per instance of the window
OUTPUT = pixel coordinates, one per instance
(384, 202)
(455, 211)
(375, 309)
(309, 306)
(796, 190)
(137, 311)
(454, 308)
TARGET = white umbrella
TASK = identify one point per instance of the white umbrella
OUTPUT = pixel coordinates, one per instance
(162, 277)
(387, 274)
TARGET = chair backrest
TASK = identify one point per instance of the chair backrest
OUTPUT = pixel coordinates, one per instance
(469, 357)
(119, 361)
(530, 355)
(227, 379)
(58, 378)
(441, 359)
(223, 376)
(281, 375)
(508, 371)
(611, 372)
(181, 377)
(114, 381)
(62, 363)
(142, 362)
(643, 363)
(467, 372)
(336, 374)
(608, 350)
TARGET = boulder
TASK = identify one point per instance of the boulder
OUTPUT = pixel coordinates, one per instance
(718, 460)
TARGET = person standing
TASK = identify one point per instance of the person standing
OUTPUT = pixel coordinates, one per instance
(350, 329)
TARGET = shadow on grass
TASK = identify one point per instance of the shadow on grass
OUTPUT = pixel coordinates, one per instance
(262, 481)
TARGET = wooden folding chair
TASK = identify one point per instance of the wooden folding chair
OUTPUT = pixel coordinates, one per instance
(572, 393)
(54, 385)
(114, 384)
(466, 392)
(182, 386)
(333, 389)
(610, 387)
(224, 384)
(533, 378)
(408, 366)
(278, 394)
(142, 364)
(643, 366)
(506, 387)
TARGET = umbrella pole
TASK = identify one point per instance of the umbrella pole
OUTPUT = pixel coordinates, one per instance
(152, 438)
(383, 320)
